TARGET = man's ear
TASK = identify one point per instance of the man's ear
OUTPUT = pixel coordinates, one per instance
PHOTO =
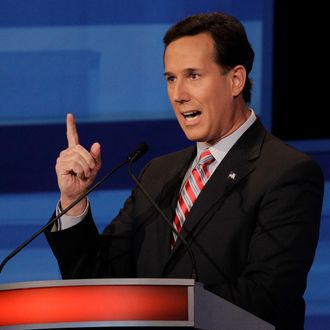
(238, 76)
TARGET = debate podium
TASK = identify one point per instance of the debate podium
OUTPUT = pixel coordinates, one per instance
(120, 303)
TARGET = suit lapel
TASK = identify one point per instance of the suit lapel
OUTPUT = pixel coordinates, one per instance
(237, 164)
(228, 174)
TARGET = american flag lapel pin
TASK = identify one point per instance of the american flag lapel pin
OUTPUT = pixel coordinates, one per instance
(232, 175)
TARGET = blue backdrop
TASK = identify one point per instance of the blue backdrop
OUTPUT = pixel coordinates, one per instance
(102, 60)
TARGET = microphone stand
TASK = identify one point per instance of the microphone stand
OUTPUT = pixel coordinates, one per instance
(169, 223)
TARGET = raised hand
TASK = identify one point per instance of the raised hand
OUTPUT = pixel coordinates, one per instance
(76, 168)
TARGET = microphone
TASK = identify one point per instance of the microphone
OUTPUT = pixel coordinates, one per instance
(141, 149)
(132, 157)
(194, 274)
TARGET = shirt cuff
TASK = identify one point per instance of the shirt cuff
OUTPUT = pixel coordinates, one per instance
(68, 221)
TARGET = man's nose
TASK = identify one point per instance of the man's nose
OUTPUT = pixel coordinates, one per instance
(181, 93)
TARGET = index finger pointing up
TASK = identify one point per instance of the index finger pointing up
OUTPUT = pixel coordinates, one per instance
(71, 131)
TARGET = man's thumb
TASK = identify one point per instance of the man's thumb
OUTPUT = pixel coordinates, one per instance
(96, 152)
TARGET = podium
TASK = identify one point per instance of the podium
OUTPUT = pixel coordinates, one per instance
(120, 303)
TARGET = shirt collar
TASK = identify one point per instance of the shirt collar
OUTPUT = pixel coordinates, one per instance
(221, 148)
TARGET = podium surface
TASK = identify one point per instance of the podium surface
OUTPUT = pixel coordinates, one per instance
(106, 303)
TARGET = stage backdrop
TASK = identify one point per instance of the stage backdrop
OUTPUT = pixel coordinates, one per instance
(102, 61)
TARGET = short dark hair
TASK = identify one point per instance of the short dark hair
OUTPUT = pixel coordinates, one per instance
(231, 44)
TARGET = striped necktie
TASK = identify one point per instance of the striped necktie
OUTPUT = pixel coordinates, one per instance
(191, 189)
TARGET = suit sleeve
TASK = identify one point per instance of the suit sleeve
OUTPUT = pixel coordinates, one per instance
(82, 252)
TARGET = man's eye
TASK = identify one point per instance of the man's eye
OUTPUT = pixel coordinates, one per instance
(194, 76)
(170, 79)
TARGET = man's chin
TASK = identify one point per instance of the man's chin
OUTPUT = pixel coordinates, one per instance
(202, 139)
(195, 137)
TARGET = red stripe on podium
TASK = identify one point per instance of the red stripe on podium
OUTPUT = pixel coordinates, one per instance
(93, 303)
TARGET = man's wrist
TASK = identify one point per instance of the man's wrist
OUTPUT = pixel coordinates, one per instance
(76, 210)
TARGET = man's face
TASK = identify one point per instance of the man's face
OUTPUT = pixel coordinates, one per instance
(201, 94)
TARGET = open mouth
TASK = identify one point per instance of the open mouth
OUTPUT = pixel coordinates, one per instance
(191, 115)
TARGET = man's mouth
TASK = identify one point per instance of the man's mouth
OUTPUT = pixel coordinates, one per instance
(190, 115)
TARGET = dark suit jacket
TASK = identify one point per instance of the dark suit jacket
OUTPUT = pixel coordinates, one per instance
(253, 236)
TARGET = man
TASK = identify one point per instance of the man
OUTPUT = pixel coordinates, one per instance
(250, 213)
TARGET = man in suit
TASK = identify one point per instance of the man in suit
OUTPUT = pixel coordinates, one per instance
(254, 226)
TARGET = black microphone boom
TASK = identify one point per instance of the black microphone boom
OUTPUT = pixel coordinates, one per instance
(132, 157)
(162, 214)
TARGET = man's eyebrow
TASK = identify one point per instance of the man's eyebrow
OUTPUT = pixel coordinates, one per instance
(190, 70)
(185, 71)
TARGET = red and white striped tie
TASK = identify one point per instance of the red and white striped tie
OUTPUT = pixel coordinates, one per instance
(191, 189)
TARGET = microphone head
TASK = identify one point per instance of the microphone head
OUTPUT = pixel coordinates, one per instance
(141, 149)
